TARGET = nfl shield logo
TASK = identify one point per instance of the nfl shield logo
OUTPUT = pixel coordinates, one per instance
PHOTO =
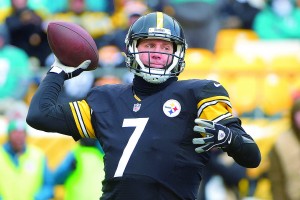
(136, 107)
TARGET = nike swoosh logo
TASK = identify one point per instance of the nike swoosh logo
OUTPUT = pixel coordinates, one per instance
(217, 84)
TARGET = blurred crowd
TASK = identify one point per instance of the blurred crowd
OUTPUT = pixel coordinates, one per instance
(25, 55)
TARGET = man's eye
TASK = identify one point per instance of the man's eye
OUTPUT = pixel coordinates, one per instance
(168, 48)
(149, 46)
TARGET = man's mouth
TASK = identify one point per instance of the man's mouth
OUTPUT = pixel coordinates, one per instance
(157, 65)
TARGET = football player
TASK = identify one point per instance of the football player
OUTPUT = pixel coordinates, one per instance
(156, 133)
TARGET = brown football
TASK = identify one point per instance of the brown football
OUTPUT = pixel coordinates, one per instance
(72, 44)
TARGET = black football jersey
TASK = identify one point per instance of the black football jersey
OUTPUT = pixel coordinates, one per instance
(152, 137)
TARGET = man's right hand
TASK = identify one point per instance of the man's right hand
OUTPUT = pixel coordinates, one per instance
(216, 135)
(58, 67)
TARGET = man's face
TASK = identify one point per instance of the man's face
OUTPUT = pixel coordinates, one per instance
(77, 6)
(19, 4)
(156, 52)
(17, 139)
(297, 119)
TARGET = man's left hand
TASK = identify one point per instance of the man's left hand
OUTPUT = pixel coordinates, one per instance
(70, 71)
(215, 135)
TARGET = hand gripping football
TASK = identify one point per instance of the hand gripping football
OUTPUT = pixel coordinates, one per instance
(72, 45)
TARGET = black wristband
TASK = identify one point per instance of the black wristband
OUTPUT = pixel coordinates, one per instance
(57, 70)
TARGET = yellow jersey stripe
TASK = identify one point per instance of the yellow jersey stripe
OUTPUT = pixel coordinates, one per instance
(82, 116)
(216, 108)
(160, 20)
(211, 101)
(86, 114)
(136, 97)
(216, 112)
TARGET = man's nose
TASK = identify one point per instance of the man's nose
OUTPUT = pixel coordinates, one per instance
(156, 54)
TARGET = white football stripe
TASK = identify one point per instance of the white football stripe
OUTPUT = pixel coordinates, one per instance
(222, 117)
(80, 120)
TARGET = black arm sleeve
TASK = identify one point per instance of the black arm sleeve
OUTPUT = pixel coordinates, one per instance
(243, 148)
(45, 114)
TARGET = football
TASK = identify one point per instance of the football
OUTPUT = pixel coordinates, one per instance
(72, 44)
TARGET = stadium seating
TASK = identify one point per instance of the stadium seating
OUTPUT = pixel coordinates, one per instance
(281, 63)
(243, 90)
(275, 95)
(233, 62)
(197, 58)
(199, 63)
(252, 83)
(227, 38)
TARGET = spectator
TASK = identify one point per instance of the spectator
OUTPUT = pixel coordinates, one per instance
(96, 23)
(199, 19)
(284, 171)
(107, 79)
(4, 10)
(77, 171)
(76, 88)
(107, 6)
(37, 5)
(110, 57)
(24, 170)
(157, 5)
(280, 19)
(238, 14)
(26, 31)
(131, 11)
(117, 37)
(14, 70)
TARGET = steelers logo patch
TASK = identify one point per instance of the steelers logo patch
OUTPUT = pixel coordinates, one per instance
(171, 108)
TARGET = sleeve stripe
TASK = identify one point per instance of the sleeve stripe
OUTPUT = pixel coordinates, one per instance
(209, 103)
(226, 115)
(224, 98)
(79, 117)
(76, 119)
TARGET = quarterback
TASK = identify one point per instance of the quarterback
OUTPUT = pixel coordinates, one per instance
(157, 132)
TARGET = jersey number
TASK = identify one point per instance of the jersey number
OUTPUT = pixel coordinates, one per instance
(139, 124)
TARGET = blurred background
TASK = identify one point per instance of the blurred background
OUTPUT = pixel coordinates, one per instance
(252, 47)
